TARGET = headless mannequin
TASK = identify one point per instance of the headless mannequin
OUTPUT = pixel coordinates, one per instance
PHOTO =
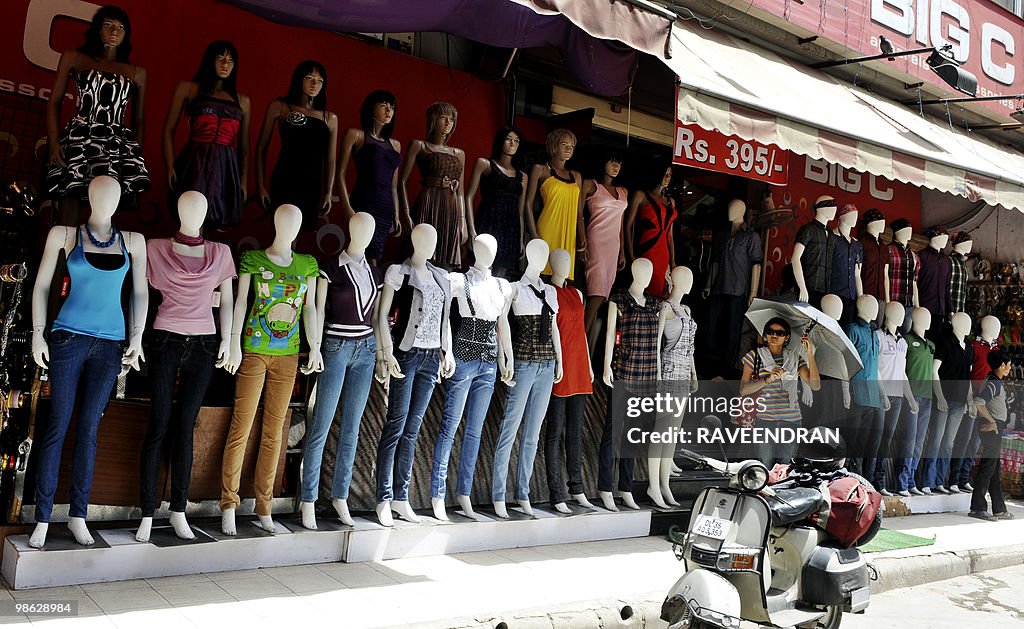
(192, 208)
(104, 196)
(659, 456)
(287, 222)
(560, 263)
(901, 236)
(642, 270)
(536, 260)
(822, 215)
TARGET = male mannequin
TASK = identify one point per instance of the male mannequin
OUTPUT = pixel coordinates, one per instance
(284, 291)
(958, 275)
(733, 282)
(631, 358)
(187, 271)
(538, 364)
(965, 448)
(934, 279)
(923, 376)
(902, 266)
(85, 343)
(346, 303)
(812, 253)
(847, 259)
(414, 350)
(831, 410)
(569, 395)
(869, 404)
(872, 272)
(482, 345)
(678, 376)
(892, 376)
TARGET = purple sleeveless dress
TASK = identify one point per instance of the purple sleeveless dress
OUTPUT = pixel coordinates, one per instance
(376, 163)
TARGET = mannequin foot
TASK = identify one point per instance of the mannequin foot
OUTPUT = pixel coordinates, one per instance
(180, 526)
(384, 513)
(526, 507)
(655, 495)
(500, 510)
(676, 470)
(666, 494)
(145, 527)
(627, 499)
(581, 499)
(38, 538)
(308, 511)
(438, 506)
(608, 500)
(227, 522)
(467, 506)
(266, 523)
(341, 506)
(404, 511)
(80, 531)
(561, 507)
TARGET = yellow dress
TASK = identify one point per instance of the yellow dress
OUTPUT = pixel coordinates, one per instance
(557, 222)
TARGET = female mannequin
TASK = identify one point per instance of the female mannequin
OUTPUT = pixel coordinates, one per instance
(892, 372)
(443, 170)
(377, 157)
(304, 173)
(607, 203)
(676, 331)
(872, 272)
(184, 347)
(847, 261)
(812, 253)
(560, 223)
(933, 281)
(632, 359)
(566, 410)
(481, 340)
(649, 221)
(538, 364)
(215, 161)
(958, 275)
(415, 350)
(902, 266)
(88, 341)
(283, 291)
(502, 199)
(95, 141)
(923, 375)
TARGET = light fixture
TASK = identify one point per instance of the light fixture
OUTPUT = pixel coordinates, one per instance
(1018, 115)
(940, 61)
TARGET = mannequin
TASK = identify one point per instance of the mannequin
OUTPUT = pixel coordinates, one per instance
(560, 223)
(377, 157)
(215, 161)
(187, 271)
(733, 282)
(481, 342)
(923, 376)
(632, 359)
(566, 410)
(502, 189)
(902, 266)
(934, 278)
(649, 224)
(892, 376)
(847, 261)
(833, 306)
(346, 302)
(606, 203)
(676, 334)
(86, 343)
(95, 140)
(304, 173)
(414, 350)
(440, 201)
(283, 291)
(866, 416)
(872, 271)
(958, 275)
(831, 407)
(537, 349)
(812, 253)
(954, 399)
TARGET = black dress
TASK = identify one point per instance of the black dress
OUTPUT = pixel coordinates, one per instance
(299, 176)
(498, 213)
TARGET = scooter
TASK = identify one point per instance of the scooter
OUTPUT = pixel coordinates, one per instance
(750, 554)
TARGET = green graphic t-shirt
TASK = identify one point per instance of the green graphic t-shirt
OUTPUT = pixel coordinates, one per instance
(278, 296)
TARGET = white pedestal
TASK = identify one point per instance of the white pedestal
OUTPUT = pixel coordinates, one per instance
(896, 506)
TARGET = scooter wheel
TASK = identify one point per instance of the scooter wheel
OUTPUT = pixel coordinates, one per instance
(833, 616)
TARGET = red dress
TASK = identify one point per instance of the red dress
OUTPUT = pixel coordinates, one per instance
(575, 368)
(653, 231)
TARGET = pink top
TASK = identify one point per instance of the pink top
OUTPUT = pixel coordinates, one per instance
(187, 284)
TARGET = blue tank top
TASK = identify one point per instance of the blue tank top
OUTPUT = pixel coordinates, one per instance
(93, 306)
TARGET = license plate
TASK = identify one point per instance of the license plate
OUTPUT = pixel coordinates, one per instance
(859, 598)
(715, 528)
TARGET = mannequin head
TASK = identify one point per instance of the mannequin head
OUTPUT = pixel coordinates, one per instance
(110, 28)
(990, 328)
(506, 143)
(642, 270)
(825, 208)
(219, 64)
(847, 218)
(561, 262)
(309, 82)
(962, 243)
(867, 307)
(961, 325)
(921, 319)
(536, 257)
(192, 206)
(377, 113)
(832, 305)
(287, 221)
(682, 281)
(104, 195)
(874, 222)
(737, 210)
(560, 144)
(895, 313)
(441, 119)
(424, 241)
(485, 248)
(937, 237)
(611, 165)
(360, 232)
(901, 231)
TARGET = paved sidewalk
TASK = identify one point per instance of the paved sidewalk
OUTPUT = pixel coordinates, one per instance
(572, 585)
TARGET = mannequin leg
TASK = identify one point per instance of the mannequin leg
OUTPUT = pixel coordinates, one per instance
(667, 451)
(953, 419)
(196, 370)
(280, 381)
(654, 478)
(308, 511)
(404, 511)
(399, 400)
(515, 406)
(164, 353)
(533, 419)
(554, 429)
(500, 509)
(437, 505)
(467, 506)
(592, 309)
(454, 404)
(180, 525)
(145, 529)
(423, 373)
(341, 506)
(353, 403)
(227, 521)
(81, 532)
(249, 381)
(38, 537)
(384, 516)
(575, 415)
(480, 392)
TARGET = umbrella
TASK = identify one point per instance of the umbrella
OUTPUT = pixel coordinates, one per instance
(835, 354)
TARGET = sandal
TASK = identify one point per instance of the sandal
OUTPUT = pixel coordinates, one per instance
(983, 515)
(1005, 515)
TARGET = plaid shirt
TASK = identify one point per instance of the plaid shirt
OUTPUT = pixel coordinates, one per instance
(957, 282)
(904, 268)
(636, 344)
(816, 260)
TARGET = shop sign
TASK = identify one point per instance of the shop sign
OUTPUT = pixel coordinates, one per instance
(711, 150)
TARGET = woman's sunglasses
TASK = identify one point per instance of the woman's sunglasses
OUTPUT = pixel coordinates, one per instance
(776, 332)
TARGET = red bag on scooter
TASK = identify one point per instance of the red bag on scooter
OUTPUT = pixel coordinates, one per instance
(850, 508)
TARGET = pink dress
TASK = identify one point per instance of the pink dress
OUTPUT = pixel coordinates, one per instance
(603, 238)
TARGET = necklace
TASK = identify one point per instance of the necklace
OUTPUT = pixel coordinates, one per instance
(95, 241)
(189, 241)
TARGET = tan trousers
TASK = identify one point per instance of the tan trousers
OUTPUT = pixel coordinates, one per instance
(279, 374)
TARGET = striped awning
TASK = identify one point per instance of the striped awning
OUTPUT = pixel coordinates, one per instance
(741, 89)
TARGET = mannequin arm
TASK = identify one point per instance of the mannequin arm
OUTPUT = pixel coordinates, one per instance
(883, 396)
(182, 93)
(396, 227)
(262, 145)
(755, 282)
(917, 302)
(798, 271)
(55, 241)
(522, 215)
(313, 326)
(350, 143)
(139, 105)
(385, 350)
(482, 167)
(663, 315)
(629, 223)
(67, 64)
(622, 238)
(224, 313)
(532, 187)
(447, 355)
(243, 145)
(846, 393)
(331, 163)
(809, 374)
(940, 398)
(238, 320)
(609, 344)
(590, 365)
(908, 394)
(464, 208)
(139, 303)
(506, 360)
(557, 340)
(857, 281)
(587, 190)
(885, 279)
(380, 363)
(403, 181)
(321, 306)
(581, 230)
(671, 246)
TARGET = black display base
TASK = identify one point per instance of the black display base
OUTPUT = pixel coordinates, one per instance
(62, 539)
(164, 537)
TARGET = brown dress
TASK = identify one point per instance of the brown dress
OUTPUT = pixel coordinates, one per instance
(437, 203)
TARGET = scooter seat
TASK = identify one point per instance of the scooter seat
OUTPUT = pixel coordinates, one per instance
(794, 504)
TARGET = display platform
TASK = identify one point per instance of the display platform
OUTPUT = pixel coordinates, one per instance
(122, 558)
(896, 506)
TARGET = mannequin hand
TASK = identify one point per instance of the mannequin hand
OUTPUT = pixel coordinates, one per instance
(507, 375)
(223, 353)
(396, 228)
(886, 405)
(807, 396)
(846, 398)
(40, 351)
(972, 410)
(393, 368)
(803, 295)
(472, 234)
(172, 177)
(264, 198)
(447, 365)
(621, 264)
(706, 292)
(590, 368)
(694, 384)
(608, 380)
(750, 299)
(408, 225)
(558, 372)
(325, 205)
(234, 358)
(57, 155)
(941, 405)
(315, 363)
(913, 405)
(243, 187)
(380, 370)
(133, 356)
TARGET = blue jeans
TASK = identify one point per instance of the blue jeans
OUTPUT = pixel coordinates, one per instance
(347, 375)
(879, 444)
(965, 448)
(407, 404)
(528, 401)
(911, 440)
(469, 389)
(94, 363)
(940, 443)
(771, 452)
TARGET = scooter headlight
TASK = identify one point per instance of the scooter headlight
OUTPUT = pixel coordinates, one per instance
(752, 475)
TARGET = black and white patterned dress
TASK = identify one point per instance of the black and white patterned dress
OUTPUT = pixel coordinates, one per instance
(95, 141)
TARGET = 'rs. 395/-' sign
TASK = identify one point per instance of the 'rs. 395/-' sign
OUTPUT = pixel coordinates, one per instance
(711, 150)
